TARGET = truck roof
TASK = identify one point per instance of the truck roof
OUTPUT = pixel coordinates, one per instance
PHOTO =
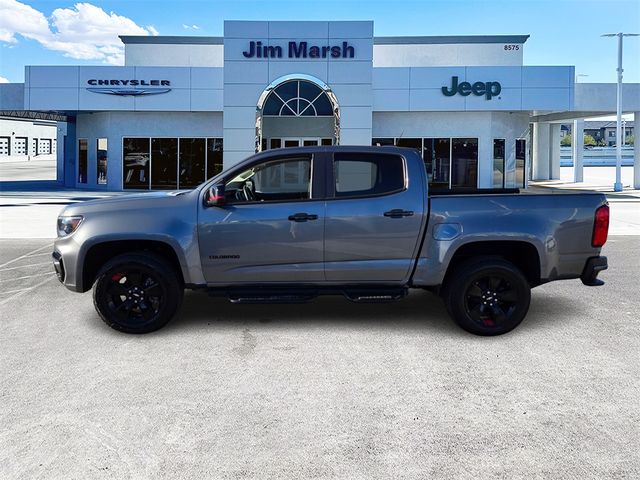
(277, 152)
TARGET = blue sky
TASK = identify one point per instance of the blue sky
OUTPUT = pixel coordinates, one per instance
(563, 32)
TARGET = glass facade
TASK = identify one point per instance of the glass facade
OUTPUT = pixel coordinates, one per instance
(453, 162)
(521, 155)
(271, 143)
(214, 156)
(436, 154)
(450, 162)
(297, 98)
(192, 162)
(164, 174)
(101, 161)
(135, 163)
(82, 160)
(498, 162)
(464, 163)
(169, 163)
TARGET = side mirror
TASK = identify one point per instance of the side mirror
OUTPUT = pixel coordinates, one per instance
(215, 196)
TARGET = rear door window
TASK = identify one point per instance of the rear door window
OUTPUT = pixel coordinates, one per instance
(358, 175)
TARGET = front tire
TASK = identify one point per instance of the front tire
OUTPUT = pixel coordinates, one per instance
(487, 296)
(137, 293)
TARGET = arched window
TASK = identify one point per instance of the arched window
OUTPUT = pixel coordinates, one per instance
(297, 98)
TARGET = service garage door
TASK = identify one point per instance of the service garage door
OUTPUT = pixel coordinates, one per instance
(20, 146)
(4, 145)
(44, 146)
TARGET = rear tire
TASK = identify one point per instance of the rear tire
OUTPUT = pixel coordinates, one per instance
(137, 293)
(487, 296)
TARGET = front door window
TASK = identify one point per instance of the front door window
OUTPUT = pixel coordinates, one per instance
(277, 180)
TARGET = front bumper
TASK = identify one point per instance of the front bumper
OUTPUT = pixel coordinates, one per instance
(592, 267)
(65, 260)
(58, 265)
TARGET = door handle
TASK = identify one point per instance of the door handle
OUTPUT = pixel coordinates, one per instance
(398, 213)
(302, 217)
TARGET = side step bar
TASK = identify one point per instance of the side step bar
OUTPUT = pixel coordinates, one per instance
(273, 298)
(261, 295)
(375, 295)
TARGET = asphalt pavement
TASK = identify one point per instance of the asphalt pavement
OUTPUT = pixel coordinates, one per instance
(329, 389)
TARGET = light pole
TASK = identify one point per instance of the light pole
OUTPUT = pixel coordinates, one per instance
(617, 187)
(624, 134)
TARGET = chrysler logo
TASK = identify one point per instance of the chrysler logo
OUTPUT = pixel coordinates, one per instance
(129, 88)
(129, 92)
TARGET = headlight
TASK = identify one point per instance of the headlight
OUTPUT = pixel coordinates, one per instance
(68, 225)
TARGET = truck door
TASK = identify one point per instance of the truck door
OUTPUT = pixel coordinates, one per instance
(374, 218)
(271, 227)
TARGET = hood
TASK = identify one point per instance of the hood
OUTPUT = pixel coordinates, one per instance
(157, 199)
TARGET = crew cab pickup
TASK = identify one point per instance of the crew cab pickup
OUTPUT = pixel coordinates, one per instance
(290, 224)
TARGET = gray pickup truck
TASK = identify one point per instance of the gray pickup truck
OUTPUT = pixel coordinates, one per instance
(290, 224)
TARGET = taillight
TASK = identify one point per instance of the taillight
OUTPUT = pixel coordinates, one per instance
(600, 226)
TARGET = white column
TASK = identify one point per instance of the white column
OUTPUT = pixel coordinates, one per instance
(541, 134)
(554, 151)
(636, 151)
(577, 150)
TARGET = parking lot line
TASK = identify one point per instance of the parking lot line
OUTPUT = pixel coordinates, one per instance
(38, 254)
(19, 293)
(25, 255)
(25, 266)
(27, 276)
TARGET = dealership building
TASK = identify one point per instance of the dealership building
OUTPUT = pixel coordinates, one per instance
(183, 108)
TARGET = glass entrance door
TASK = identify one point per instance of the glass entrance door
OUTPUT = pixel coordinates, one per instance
(289, 142)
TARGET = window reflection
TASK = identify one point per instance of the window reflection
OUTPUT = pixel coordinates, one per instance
(101, 159)
(164, 163)
(168, 163)
(379, 142)
(521, 148)
(82, 160)
(135, 157)
(464, 163)
(498, 162)
(437, 157)
(214, 157)
(192, 164)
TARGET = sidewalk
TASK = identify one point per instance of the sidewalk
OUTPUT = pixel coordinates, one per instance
(598, 179)
(46, 192)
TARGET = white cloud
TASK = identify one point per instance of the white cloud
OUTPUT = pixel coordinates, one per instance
(85, 32)
(4, 80)
(190, 27)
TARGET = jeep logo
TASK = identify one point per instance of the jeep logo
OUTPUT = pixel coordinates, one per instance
(488, 89)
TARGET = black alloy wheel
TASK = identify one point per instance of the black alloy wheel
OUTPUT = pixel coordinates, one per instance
(490, 300)
(137, 293)
(487, 296)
